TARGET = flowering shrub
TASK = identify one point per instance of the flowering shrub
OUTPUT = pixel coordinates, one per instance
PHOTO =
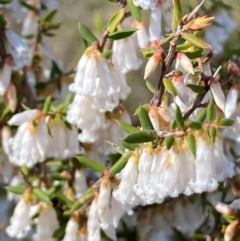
(79, 169)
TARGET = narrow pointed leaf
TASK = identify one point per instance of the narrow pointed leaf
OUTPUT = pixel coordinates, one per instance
(192, 143)
(196, 88)
(135, 11)
(177, 13)
(122, 34)
(64, 199)
(129, 146)
(115, 20)
(169, 86)
(47, 105)
(50, 15)
(120, 164)
(19, 190)
(145, 121)
(202, 115)
(168, 142)
(59, 233)
(173, 125)
(87, 34)
(145, 106)
(179, 118)
(212, 133)
(87, 196)
(140, 137)
(96, 166)
(40, 194)
(5, 1)
(197, 42)
(210, 111)
(127, 127)
(226, 122)
(150, 87)
(194, 125)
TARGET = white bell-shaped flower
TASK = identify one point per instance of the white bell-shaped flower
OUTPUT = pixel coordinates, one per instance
(71, 231)
(30, 143)
(21, 220)
(47, 223)
(5, 76)
(124, 55)
(80, 182)
(93, 224)
(82, 114)
(129, 176)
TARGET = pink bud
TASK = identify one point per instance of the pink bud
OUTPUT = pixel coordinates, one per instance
(152, 63)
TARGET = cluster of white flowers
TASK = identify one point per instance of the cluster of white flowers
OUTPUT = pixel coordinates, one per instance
(99, 86)
(156, 223)
(33, 143)
(151, 174)
(105, 213)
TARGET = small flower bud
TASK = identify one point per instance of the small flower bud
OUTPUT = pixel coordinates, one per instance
(199, 23)
(233, 69)
(152, 63)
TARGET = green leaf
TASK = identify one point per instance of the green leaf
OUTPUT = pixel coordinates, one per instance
(129, 146)
(192, 143)
(59, 233)
(127, 127)
(210, 111)
(47, 105)
(3, 22)
(145, 106)
(5, 1)
(96, 166)
(145, 121)
(28, 6)
(140, 137)
(150, 87)
(179, 118)
(19, 190)
(212, 133)
(107, 54)
(115, 20)
(63, 199)
(194, 125)
(168, 142)
(57, 176)
(196, 88)
(124, 33)
(87, 196)
(135, 11)
(197, 42)
(173, 125)
(120, 164)
(87, 34)
(177, 14)
(226, 122)
(169, 86)
(50, 15)
(40, 194)
(201, 115)
(117, 148)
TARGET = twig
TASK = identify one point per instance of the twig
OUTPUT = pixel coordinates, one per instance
(25, 178)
